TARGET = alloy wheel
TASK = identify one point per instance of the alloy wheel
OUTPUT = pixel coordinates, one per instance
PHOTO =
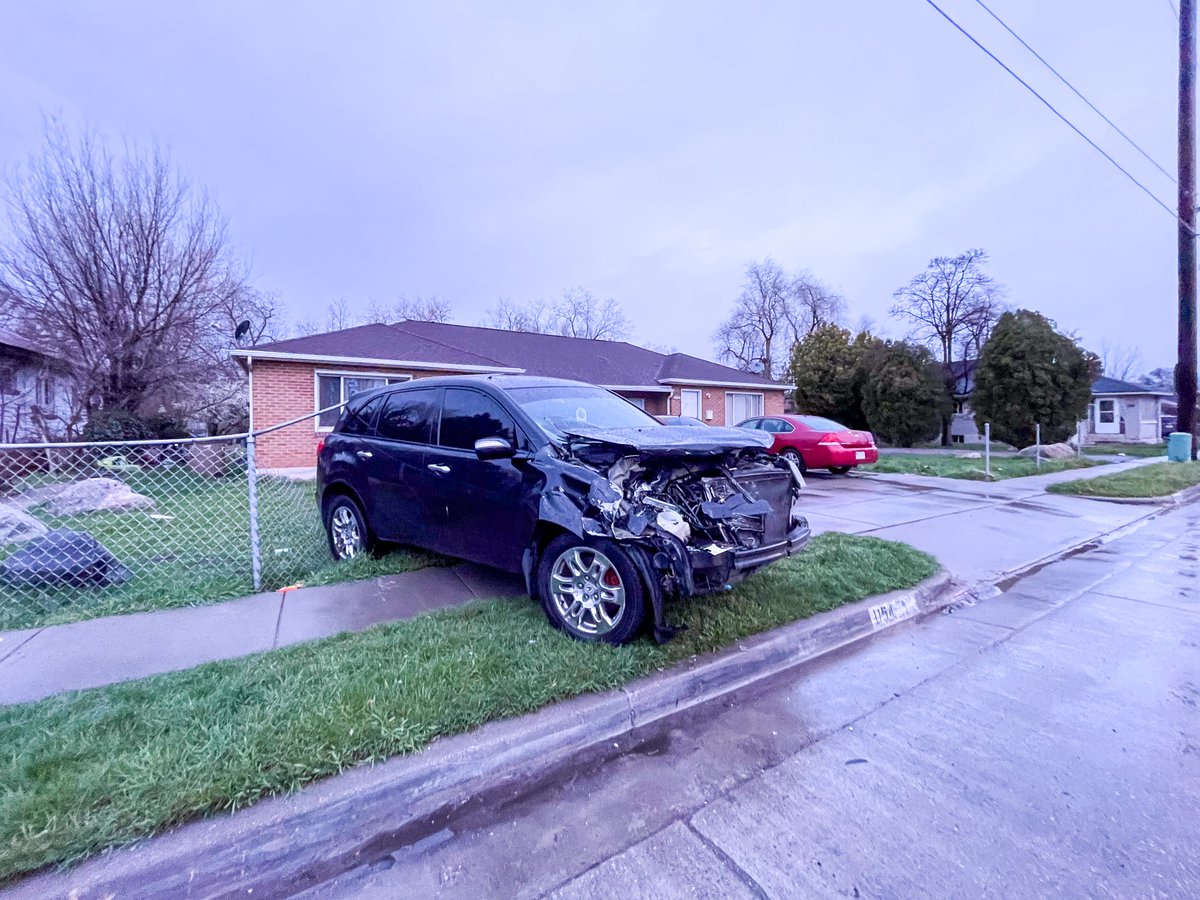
(346, 533)
(587, 591)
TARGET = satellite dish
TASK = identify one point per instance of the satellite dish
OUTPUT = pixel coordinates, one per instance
(243, 329)
(756, 366)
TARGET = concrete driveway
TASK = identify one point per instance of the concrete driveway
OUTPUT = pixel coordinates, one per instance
(978, 530)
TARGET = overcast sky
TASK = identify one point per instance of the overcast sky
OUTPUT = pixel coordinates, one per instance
(646, 151)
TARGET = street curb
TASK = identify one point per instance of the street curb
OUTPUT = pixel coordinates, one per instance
(284, 845)
(1179, 498)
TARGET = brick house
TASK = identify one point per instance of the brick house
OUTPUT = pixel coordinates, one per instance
(298, 377)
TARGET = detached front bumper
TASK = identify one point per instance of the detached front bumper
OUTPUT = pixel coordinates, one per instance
(712, 571)
(761, 556)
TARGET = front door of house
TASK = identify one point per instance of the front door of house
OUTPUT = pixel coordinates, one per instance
(1107, 421)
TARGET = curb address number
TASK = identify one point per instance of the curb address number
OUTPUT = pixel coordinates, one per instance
(886, 614)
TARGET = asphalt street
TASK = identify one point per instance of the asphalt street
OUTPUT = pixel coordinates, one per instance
(1042, 742)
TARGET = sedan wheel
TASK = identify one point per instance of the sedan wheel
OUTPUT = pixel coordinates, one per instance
(591, 591)
(795, 457)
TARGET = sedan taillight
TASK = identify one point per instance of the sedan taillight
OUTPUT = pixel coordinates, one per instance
(320, 446)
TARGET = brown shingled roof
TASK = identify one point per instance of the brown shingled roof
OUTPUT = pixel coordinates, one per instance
(616, 363)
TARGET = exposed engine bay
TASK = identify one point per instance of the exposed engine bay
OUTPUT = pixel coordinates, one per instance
(701, 516)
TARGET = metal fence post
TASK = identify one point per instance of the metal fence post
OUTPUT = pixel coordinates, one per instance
(252, 496)
(1038, 446)
(987, 449)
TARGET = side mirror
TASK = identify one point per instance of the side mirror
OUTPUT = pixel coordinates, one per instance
(494, 448)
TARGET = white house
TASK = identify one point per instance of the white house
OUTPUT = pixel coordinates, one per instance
(34, 391)
(1122, 412)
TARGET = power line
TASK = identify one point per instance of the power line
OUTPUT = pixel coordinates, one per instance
(1174, 11)
(1050, 106)
(1076, 91)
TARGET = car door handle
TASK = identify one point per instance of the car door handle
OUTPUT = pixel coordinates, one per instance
(363, 454)
(441, 470)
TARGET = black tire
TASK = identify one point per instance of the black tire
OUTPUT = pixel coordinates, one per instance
(840, 470)
(794, 456)
(589, 624)
(343, 513)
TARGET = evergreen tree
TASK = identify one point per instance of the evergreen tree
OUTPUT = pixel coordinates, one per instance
(826, 370)
(904, 393)
(1029, 373)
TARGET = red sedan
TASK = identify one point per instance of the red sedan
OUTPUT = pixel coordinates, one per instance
(817, 443)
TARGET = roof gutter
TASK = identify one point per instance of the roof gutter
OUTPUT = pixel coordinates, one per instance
(700, 382)
(421, 365)
(640, 388)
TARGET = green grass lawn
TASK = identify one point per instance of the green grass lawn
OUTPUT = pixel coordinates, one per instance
(103, 767)
(1139, 450)
(1157, 480)
(193, 547)
(971, 469)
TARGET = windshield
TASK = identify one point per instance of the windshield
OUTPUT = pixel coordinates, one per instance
(558, 407)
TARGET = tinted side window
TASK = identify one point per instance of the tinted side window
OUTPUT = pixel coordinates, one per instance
(751, 423)
(468, 416)
(409, 416)
(359, 419)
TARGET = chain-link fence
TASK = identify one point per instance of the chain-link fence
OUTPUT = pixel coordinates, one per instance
(91, 529)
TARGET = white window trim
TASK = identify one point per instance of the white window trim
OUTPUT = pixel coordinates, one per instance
(762, 404)
(342, 373)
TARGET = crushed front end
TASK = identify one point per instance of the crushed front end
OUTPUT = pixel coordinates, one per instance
(698, 514)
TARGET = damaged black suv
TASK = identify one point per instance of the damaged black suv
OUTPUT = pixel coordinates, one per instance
(606, 511)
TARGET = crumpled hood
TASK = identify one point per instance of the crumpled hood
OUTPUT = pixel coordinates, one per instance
(674, 440)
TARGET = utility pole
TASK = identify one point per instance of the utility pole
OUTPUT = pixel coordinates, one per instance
(1185, 369)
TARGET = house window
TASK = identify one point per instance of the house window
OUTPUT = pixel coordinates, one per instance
(639, 402)
(334, 388)
(1108, 412)
(8, 378)
(739, 406)
(45, 392)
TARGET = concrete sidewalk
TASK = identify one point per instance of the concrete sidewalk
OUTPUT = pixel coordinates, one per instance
(977, 530)
(38, 662)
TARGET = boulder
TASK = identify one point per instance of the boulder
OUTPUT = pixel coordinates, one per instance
(63, 558)
(17, 526)
(92, 495)
(1049, 451)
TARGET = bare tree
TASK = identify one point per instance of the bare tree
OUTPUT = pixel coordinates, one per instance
(337, 318)
(1162, 378)
(582, 314)
(418, 309)
(952, 304)
(978, 325)
(814, 305)
(509, 316)
(1120, 361)
(120, 263)
(773, 311)
(578, 313)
